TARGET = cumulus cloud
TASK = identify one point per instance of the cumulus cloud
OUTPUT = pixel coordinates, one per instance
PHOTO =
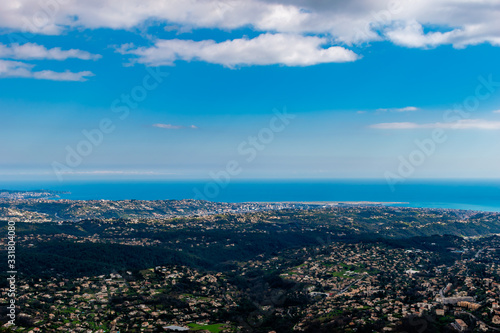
(266, 49)
(292, 32)
(16, 69)
(460, 124)
(31, 51)
(173, 127)
(422, 24)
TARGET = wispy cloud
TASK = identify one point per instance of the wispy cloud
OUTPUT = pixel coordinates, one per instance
(87, 172)
(174, 127)
(118, 172)
(31, 51)
(496, 111)
(265, 49)
(460, 124)
(16, 69)
(405, 109)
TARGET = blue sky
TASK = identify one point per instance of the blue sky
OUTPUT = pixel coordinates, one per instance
(362, 84)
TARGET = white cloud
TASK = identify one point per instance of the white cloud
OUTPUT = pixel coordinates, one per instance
(266, 49)
(16, 69)
(123, 14)
(31, 51)
(167, 126)
(496, 111)
(411, 34)
(404, 125)
(173, 127)
(62, 76)
(460, 124)
(404, 22)
(116, 172)
(405, 109)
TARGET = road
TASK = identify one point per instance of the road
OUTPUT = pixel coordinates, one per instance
(353, 283)
(480, 321)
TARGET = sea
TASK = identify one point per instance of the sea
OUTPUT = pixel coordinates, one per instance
(481, 195)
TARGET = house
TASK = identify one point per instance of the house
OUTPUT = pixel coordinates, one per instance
(459, 325)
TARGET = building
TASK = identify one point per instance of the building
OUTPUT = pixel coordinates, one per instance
(440, 312)
(459, 325)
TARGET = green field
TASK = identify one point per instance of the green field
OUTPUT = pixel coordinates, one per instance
(215, 328)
